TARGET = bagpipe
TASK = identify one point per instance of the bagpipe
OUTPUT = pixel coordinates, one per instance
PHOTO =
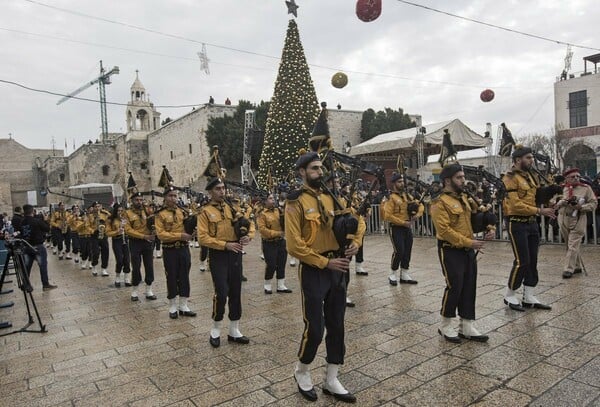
(548, 188)
(483, 218)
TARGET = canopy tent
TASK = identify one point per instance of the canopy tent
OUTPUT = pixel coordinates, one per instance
(461, 136)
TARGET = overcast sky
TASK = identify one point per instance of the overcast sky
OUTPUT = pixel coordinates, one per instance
(397, 55)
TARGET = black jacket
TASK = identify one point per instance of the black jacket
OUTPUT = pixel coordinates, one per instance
(34, 230)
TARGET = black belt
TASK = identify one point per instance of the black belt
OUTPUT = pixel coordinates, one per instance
(278, 239)
(447, 245)
(522, 219)
(331, 254)
(174, 245)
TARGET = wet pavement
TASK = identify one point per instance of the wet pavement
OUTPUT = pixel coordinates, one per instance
(100, 348)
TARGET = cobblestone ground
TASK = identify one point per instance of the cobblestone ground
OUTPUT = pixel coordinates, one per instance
(103, 349)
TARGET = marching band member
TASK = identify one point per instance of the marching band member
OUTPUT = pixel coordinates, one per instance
(176, 253)
(451, 215)
(521, 209)
(309, 216)
(115, 228)
(216, 231)
(140, 230)
(59, 224)
(396, 212)
(273, 245)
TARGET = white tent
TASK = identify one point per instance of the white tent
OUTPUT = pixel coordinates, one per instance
(460, 134)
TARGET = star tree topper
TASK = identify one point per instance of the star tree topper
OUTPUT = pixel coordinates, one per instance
(292, 7)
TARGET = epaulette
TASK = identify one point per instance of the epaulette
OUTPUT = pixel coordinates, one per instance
(293, 195)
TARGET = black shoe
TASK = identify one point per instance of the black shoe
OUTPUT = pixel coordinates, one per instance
(214, 342)
(244, 278)
(173, 315)
(536, 305)
(117, 284)
(350, 304)
(49, 287)
(127, 284)
(310, 395)
(577, 271)
(453, 339)
(392, 282)
(268, 291)
(476, 338)
(151, 297)
(408, 281)
(187, 313)
(346, 397)
(136, 298)
(362, 273)
(241, 339)
(515, 307)
(567, 274)
(287, 290)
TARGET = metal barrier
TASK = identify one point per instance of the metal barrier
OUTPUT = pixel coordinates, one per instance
(549, 230)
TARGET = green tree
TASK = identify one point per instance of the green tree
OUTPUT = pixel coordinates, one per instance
(228, 133)
(293, 110)
(384, 121)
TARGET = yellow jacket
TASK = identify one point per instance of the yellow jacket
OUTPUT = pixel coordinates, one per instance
(58, 218)
(113, 227)
(269, 225)
(395, 209)
(307, 232)
(521, 187)
(169, 224)
(215, 226)
(451, 216)
(136, 225)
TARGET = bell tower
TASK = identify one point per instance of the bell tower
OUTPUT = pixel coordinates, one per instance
(142, 118)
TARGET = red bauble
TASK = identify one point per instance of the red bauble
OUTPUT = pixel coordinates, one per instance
(368, 10)
(487, 95)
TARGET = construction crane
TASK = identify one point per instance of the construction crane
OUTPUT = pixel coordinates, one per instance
(102, 80)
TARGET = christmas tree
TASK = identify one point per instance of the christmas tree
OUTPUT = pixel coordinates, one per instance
(292, 113)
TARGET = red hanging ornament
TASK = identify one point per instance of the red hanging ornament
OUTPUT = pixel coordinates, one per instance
(487, 95)
(368, 10)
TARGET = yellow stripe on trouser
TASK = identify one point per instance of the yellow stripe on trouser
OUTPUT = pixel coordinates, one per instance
(305, 333)
(214, 310)
(517, 266)
(448, 285)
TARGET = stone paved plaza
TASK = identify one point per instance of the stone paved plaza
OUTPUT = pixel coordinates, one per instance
(102, 349)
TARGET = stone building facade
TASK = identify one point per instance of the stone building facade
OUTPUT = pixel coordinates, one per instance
(21, 171)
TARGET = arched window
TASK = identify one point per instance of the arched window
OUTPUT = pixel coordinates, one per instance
(61, 177)
(105, 169)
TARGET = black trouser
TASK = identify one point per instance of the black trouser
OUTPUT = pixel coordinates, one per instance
(203, 253)
(99, 249)
(459, 268)
(525, 241)
(86, 248)
(323, 306)
(177, 262)
(121, 252)
(141, 250)
(275, 258)
(156, 244)
(55, 236)
(402, 241)
(74, 238)
(226, 272)
(360, 255)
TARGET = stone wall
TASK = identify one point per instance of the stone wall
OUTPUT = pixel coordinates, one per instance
(19, 168)
(181, 146)
(344, 125)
